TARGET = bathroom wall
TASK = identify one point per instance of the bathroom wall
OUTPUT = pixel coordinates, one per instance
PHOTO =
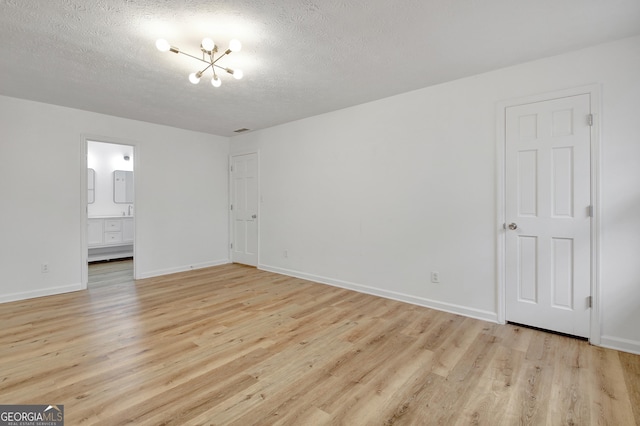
(104, 158)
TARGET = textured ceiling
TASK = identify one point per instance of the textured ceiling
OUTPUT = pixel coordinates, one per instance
(300, 57)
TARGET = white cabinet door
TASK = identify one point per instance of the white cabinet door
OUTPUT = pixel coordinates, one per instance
(95, 232)
(127, 230)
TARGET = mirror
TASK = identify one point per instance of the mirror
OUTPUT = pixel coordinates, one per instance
(91, 186)
(122, 187)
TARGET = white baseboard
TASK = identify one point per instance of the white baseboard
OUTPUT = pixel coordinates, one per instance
(12, 297)
(401, 297)
(177, 269)
(624, 345)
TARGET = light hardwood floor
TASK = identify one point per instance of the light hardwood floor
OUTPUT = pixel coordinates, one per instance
(235, 345)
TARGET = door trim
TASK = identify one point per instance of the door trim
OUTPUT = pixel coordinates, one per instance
(594, 96)
(230, 192)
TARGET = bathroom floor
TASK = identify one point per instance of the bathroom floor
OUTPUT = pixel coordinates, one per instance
(110, 272)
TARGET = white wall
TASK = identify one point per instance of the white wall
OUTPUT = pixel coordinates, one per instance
(181, 184)
(376, 196)
(104, 159)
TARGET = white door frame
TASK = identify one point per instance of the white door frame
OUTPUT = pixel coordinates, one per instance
(84, 209)
(594, 95)
(231, 236)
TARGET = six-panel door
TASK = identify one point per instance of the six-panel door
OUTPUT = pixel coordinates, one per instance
(548, 192)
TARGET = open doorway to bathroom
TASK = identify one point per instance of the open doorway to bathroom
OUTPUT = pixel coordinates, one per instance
(110, 213)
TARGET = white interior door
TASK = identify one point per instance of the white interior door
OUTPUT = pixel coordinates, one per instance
(244, 209)
(548, 205)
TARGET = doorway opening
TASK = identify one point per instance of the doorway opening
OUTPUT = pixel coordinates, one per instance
(110, 213)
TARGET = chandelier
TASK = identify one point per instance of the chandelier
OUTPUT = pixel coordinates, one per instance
(209, 50)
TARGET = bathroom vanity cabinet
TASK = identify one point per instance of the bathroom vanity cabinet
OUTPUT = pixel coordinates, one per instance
(110, 237)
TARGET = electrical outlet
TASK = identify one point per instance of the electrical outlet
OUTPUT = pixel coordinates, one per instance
(285, 254)
(44, 268)
(435, 277)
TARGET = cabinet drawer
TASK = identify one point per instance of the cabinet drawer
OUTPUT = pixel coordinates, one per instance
(112, 237)
(112, 225)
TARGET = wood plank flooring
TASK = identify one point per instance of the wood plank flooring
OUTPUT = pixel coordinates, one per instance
(233, 345)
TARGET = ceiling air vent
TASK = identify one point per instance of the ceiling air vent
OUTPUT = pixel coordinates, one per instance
(241, 130)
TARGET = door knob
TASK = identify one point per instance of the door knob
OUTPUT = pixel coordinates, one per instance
(253, 216)
(513, 226)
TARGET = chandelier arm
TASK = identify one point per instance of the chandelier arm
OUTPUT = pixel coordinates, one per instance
(195, 57)
(221, 56)
(206, 68)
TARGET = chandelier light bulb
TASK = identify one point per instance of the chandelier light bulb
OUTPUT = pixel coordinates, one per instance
(238, 74)
(215, 81)
(195, 77)
(163, 45)
(208, 44)
(235, 45)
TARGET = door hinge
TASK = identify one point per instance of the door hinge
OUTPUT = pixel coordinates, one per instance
(590, 119)
(231, 245)
(231, 168)
(231, 206)
(590, 211)
(590, 301)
